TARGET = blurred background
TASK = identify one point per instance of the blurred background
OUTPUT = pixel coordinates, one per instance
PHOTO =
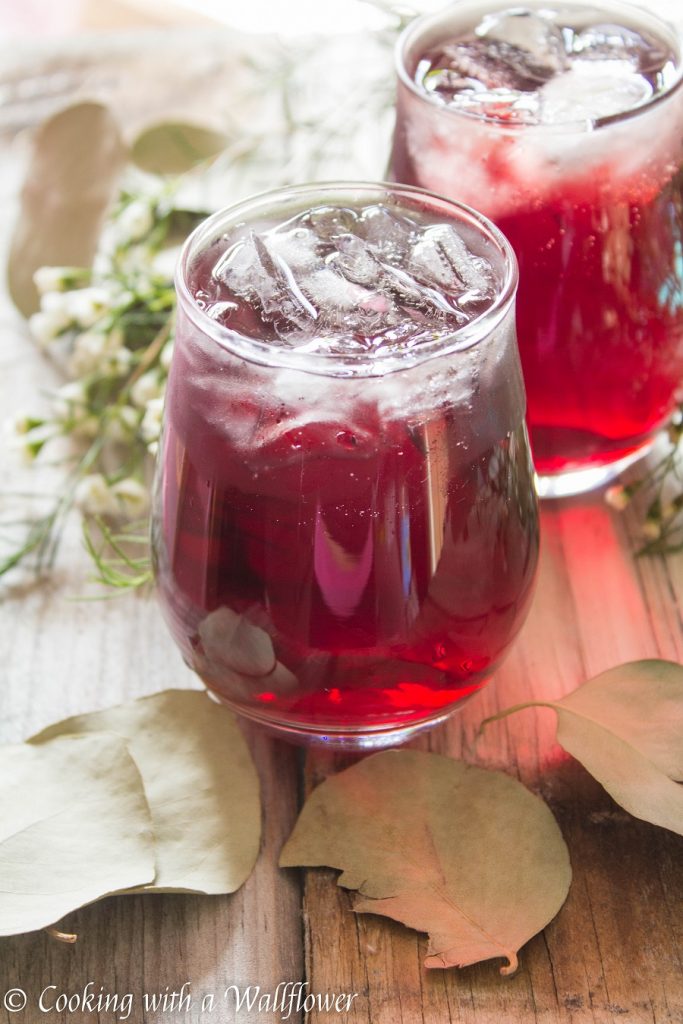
(31, 18)
(60, 17)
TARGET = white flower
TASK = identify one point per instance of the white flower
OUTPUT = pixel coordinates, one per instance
(146, 388)
(670, 511)
(166, 356)
(87, 428)
(53, 279)
(87, 305)
(617, 497)
(93, 350)
(150, 428)
(94, 496)
(651, 530)
(70, 401)
(134, 222)
(675, 431)
(74, 392)
(134, 261)
(29, 438)
(164, 263)
(56, 303)
(123, 425)
(132, 498)
(88, 354)
(118, 362)
(130, 417)
(45, 326)
(18, 426)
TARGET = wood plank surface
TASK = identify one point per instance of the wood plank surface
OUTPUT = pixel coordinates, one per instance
(614, 952)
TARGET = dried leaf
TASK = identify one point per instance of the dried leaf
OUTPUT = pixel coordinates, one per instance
(468, 855)
(200, 782)
(74, 827)
(77, 158)
(175, 148)
(625, 726)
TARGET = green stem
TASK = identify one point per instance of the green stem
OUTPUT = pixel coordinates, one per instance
(500, 715)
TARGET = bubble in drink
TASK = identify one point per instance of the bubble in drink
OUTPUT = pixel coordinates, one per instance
(336, 280)
(546, 66)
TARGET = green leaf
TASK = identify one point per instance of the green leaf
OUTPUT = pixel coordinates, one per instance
(625, 726)
(176, 147)
(72, 175)
(200, 783)
(468, 855)
(74, 827)
(181, 223)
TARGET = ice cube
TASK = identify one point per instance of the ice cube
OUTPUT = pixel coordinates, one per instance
(514, 51)
(231, 413)
(388, 233)
(259, 273)
(593, 89)
(442, 259)
(299, 248)
(344, 304)
(502, 105)
(529, 42)
(329, 291)
(363, 263)
(220, 310)
(606, 42)
(355, 259)
(327, 222)
(230, 640)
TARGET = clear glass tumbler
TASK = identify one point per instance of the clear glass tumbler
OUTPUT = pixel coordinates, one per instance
(564, 124)
(345, 525)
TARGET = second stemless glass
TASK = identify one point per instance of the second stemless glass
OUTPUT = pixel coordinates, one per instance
(345, 544)
(594, 211)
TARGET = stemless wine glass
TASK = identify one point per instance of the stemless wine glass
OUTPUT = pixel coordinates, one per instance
(564, 124)
(345, 527)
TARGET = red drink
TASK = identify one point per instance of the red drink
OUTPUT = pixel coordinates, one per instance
(570, 124)
(346, 531)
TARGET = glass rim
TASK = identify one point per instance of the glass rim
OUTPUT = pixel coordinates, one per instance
(586, 125)
(358, 365)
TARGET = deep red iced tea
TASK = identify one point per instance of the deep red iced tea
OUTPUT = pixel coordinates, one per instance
(565, 126)
(346, 529)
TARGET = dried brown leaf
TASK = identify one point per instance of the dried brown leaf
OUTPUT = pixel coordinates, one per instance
(74, 827)
(200, 782)
(71, 179)
(625, 726)
(467, 855)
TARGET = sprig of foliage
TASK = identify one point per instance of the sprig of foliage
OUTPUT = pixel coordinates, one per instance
(112, 552)
(111, 325)
(112, 328)
(660, 492)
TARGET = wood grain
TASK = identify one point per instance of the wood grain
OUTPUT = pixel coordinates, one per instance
(614, 952)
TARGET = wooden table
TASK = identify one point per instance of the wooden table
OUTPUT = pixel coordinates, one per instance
(612, 955)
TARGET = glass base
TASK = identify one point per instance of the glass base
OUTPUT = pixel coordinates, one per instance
(581, 481)
(342, 738)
